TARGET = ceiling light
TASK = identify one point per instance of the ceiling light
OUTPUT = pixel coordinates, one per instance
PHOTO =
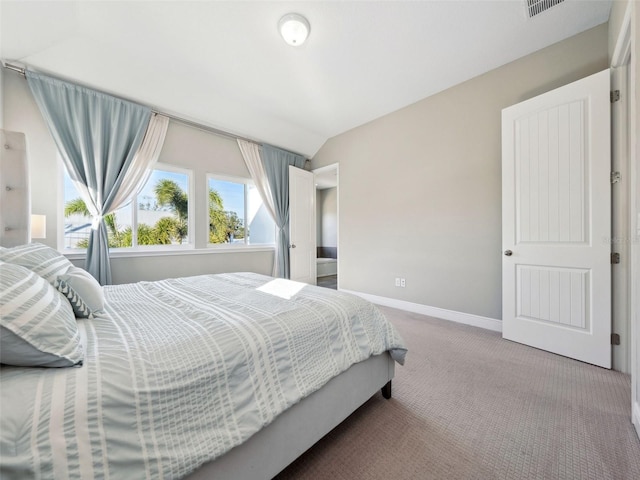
(294, 28)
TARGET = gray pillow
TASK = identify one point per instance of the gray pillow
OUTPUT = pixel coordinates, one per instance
(45, 261)
(37, 325)
(82, 290)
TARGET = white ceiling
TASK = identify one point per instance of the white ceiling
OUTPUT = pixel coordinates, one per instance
(223, 63)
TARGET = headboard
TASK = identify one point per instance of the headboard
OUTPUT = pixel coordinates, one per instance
(15, 200)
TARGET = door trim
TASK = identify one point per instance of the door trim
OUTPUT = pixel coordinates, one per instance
(624, 53)
(620, 221)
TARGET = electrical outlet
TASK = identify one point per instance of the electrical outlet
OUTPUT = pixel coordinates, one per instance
(403, 282)
(397, 281)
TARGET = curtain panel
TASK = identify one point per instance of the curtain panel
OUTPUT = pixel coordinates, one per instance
(251, 155)
(276, 166)
(99, 138)
(143, 161)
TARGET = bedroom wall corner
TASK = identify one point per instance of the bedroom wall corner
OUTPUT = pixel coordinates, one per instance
(420, 188)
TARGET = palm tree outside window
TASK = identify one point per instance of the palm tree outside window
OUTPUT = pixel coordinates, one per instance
(237, 215)
(159, 215)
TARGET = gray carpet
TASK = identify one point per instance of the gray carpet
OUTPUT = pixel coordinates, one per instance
(469, 405)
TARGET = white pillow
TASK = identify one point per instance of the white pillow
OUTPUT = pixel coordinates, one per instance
(82, 290)
(37, 325)
(43, 260)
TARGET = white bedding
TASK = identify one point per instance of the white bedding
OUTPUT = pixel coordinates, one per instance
(180, 371)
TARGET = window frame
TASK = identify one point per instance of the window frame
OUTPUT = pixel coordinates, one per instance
(246, 182)
(133, 204)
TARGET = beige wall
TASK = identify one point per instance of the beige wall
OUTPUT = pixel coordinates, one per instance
(328, 212)
(616, 16)
(135, 269)
(184, 146)
(420, 189)
(318, 217)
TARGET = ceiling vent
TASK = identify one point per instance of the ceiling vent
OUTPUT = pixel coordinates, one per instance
(536, 7)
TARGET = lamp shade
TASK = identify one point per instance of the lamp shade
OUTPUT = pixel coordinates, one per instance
(38, 226)
(294, 28)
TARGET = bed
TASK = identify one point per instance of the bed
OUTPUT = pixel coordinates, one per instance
(215, 376)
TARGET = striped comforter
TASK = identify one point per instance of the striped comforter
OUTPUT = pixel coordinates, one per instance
(178, 372)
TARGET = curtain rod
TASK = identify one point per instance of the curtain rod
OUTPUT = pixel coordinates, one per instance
(175, 118)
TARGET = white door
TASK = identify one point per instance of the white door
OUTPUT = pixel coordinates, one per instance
(302, 226)
(556, 221)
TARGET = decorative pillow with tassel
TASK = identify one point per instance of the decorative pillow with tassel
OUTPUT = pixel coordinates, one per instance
(83, 292)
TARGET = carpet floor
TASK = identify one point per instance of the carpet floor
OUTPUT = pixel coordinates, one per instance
(470, 405)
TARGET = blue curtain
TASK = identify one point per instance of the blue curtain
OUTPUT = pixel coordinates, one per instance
(97, 136)
(276, 165)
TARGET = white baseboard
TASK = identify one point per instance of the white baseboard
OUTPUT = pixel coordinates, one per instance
(636, 417)
(452, 315)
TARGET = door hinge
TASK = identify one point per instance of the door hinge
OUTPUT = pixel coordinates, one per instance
(614, 96)
(615, 258)
(616, 177)
(615, 339)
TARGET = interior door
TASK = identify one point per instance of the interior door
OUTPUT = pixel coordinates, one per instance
(556, 221)
(302, 225)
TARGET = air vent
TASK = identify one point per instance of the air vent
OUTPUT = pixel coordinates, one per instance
(536, 7)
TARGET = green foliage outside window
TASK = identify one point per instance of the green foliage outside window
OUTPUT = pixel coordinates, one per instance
(224, 226)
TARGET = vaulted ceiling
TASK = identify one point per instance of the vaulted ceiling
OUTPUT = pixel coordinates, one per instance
(224, 64)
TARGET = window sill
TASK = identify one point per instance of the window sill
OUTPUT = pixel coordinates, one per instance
(75, 255)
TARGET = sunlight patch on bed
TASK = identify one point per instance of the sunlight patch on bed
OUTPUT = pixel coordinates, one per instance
(281, 287)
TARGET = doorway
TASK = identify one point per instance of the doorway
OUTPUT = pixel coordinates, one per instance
(327, 259)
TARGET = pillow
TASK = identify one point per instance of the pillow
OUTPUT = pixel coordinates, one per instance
(37, 325)
(43, 260)
(82, 290)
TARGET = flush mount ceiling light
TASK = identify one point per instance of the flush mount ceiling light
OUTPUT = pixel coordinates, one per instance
(294, 28)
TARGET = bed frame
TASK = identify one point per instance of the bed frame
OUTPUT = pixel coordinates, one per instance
(295, 430)
(273, 448)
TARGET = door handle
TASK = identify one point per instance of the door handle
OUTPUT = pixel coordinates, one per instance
(293, 246)
(508, 253)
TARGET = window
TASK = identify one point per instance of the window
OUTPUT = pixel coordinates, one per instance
(158, 216)
(237, 214)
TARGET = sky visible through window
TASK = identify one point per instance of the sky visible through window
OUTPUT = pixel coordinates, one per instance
(70, 191)
(148, 195)
(148, 211)
(232, 195)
